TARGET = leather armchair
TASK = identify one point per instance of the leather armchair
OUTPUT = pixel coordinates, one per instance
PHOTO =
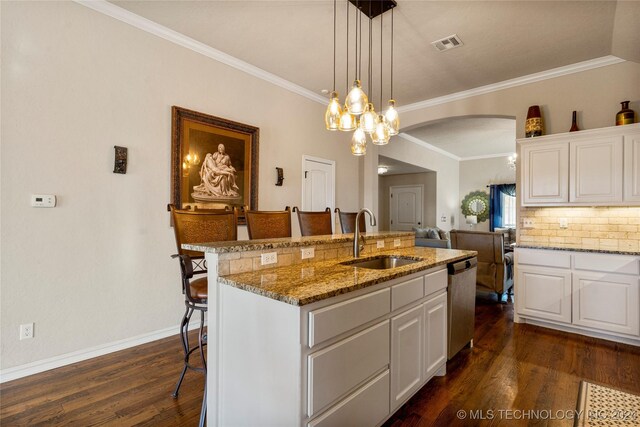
(492, 272)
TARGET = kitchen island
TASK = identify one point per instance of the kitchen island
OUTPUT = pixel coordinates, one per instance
(319, 341)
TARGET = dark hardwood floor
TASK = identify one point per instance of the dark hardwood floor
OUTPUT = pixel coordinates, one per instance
(511, 367)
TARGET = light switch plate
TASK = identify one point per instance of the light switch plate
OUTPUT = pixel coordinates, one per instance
(528, 223)
(43, 201)
(564, 223)
(396, 243)
(269, 258)
(380, 244)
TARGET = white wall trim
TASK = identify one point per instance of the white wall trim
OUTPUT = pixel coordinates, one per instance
(420, 142)
(168, 34)
(487, 156)
(154, 28)
(38, 366)
(518, 81)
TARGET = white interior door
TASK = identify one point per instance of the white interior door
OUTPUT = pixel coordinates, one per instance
(405, 206)
(318, 184)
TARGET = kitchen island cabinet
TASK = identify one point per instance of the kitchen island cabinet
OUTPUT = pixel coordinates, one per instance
(326, 344)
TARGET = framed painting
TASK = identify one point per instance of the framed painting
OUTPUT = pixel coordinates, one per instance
(214, 162)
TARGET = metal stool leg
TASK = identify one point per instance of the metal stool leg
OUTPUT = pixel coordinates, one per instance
(184, 335)
(203, 410)
(202, 342)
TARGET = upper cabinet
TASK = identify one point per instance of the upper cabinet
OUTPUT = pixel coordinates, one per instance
(586, 168)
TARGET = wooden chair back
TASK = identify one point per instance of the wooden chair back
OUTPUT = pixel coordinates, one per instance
(314, 223)
(268, 224)
(202, 226)
(348, 221)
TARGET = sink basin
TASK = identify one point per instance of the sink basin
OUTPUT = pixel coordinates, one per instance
(381, 263)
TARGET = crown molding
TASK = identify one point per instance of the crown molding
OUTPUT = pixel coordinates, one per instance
(420, 142)
(486, 156)
(519, 81)
(180, 39)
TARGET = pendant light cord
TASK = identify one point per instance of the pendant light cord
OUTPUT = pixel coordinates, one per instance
(347, 89)
(370, 51)
(381, 16)
(392, 53)
(334, 45)
(355, 58)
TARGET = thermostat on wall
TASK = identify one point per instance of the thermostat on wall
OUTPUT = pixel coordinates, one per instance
(43, 201)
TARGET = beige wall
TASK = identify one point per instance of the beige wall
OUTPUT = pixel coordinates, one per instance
(427, 179)
(96, 269)
(475, 175)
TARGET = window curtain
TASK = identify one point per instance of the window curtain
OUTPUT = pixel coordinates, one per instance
(495, 203)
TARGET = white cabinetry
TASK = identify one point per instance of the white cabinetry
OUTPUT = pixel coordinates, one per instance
(545, 173)
(589, 293)
(583, 168)
(435, 334)
(595, 173)
(406, 355)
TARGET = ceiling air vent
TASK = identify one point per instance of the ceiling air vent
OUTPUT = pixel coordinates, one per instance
(447, 43)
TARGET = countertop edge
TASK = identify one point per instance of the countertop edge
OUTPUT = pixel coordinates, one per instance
(569, 249)
(391, 275)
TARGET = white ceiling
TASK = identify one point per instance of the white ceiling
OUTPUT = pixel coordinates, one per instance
(502, 39)
(467, 137)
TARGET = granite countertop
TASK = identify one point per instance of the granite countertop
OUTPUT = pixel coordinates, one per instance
(287, 242)
(575, 248)
(302, 284)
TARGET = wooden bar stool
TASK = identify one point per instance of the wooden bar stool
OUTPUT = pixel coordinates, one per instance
(193, 226)
(348, 221)
(268, 224)
(314, 223)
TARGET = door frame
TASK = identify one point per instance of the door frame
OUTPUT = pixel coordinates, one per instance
(421, 186)
(331, 163)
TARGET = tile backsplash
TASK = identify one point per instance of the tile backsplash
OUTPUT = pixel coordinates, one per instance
(587, 227)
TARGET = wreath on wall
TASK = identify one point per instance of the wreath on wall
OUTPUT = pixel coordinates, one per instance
(476, 203)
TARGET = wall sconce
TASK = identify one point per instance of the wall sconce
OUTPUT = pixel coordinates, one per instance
(280, 177)
(120, 160)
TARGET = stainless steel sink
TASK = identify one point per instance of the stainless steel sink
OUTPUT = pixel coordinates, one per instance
(383, 262)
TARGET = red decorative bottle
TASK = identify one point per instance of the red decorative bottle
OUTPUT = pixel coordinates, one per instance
(574, 123)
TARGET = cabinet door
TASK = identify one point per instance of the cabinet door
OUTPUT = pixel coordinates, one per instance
(544, 293)
(435, 334)
(406, 355)
(596, 170)
(632, 167)
(545, 174)
(605, 301)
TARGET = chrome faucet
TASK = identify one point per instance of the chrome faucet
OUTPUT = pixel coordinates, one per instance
(357, 246)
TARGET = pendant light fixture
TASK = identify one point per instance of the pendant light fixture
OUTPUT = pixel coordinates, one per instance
(358, 113)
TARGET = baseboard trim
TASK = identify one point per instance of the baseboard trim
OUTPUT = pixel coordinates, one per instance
(38, 366)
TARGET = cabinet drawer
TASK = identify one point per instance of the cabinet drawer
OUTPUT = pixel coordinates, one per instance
(338, 369)
(407, 292)
(544, 258)
(328, 322)
(608, 263)
(435, 282)
(368, 406)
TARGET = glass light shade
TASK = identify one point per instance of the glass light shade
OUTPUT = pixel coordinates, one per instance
(393, 119)
(359, 137)
(359, 149)
(368, 119)
(333, 113)
(356, 99)
(347, 121)
(381, 134)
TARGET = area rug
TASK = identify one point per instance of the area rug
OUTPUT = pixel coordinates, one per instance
(603, 406)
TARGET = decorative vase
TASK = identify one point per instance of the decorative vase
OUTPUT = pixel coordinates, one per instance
(626, 116)
(533, 125)
(574, 123)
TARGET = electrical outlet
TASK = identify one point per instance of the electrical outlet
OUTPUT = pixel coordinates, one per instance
(26, 331)
(269, 258)
(307, 253)
(380, 244)
(527, 223)
(396, 243)
(564, 223)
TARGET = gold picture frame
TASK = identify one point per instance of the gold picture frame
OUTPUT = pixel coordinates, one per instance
(214, 162)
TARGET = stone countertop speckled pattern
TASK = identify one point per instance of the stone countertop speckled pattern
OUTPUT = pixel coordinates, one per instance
(287, 242)
(574, 248)
(303, 284)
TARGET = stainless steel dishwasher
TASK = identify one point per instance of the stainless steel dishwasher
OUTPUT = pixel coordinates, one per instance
(461, 305)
